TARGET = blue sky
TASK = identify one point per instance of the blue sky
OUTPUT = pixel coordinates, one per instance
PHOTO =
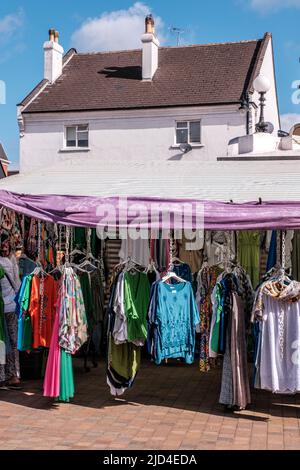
(102, 25)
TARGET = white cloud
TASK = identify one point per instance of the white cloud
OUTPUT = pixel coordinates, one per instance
(288, 120)
(9, 24)
(116, 30)
(11, 31)
(265, 6)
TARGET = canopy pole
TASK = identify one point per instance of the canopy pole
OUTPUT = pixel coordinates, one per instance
(283, 251)
(171, 251)
(67, 252)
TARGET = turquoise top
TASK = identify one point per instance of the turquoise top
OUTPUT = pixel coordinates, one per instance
(176, 319)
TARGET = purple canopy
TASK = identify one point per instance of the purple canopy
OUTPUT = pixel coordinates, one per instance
(93, 211)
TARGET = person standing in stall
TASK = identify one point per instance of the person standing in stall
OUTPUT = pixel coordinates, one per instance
(10, 283)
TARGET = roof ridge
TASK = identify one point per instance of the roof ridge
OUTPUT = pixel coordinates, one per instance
(245, 41)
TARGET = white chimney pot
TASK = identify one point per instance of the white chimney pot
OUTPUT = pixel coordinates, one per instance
(53, 60)
(150, 50)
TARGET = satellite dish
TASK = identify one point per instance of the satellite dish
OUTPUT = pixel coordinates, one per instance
(185, 148)
(269, 127)
(282, 133)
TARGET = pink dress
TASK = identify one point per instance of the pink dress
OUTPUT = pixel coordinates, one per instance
(52, 375)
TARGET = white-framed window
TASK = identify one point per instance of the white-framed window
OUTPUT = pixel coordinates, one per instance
(77, 136)
(188, 132)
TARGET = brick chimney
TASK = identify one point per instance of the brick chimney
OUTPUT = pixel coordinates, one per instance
(53, 57)
(150, 50)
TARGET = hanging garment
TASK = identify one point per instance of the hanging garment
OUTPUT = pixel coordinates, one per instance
(289, 235)
(97, 290)
(69, 333)
(235, 389)
(97, 321)
(123, 364)
(10, 224)
(2, 325)
(136, 302)
(226, 393)
(123, 360)
(192, 257)
(218, 245)
(52, 374)
(230, 296)
(160, 250)
(206, 281)
(277, 309)
(238, 281)
(296, 256)
(272, 255)
(73, 322)
(238, 354)
(66, 377)
(120, 320)
(23, 315)
(80, 240)
(26, 266)
(215, 321)
(43, 297)
(87, 298)
(138, 250)
(249, 253)
(173, 317)
(11, 369)
(221, 309)
(183, 270)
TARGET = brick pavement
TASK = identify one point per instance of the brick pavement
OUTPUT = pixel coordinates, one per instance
(173, 406)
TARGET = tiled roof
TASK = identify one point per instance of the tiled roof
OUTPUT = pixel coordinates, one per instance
(3, 155)
(208, 74)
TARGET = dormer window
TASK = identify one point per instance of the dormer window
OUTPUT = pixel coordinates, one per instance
(77, 136)
(188, 132)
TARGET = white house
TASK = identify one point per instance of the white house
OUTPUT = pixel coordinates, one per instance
(140, 105)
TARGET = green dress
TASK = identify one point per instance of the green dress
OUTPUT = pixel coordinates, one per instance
(125, 358)
(66, 376)
(137, 297)
(248, 242)
(88, 299)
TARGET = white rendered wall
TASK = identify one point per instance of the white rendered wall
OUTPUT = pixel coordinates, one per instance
(271, 108)
(145, 135)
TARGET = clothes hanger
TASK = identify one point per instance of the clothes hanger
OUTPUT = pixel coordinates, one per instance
(172, 275)
(86, 263)
(77, 267)
(151, 267)
(134, 266)
(77, 252)
(178, 260)
(122, 263)
(39, 270)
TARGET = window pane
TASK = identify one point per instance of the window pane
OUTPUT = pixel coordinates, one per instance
(83, 127)
(182, 124)
(71, 137)
(83, 139)
(195, 131)
(181, 136)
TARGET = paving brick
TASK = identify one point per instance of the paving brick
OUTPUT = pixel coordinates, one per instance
(167, 408)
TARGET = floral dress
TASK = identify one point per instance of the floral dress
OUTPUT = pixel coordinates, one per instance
(207, 279)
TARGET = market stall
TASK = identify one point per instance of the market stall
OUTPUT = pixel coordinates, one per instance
(217, 304)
